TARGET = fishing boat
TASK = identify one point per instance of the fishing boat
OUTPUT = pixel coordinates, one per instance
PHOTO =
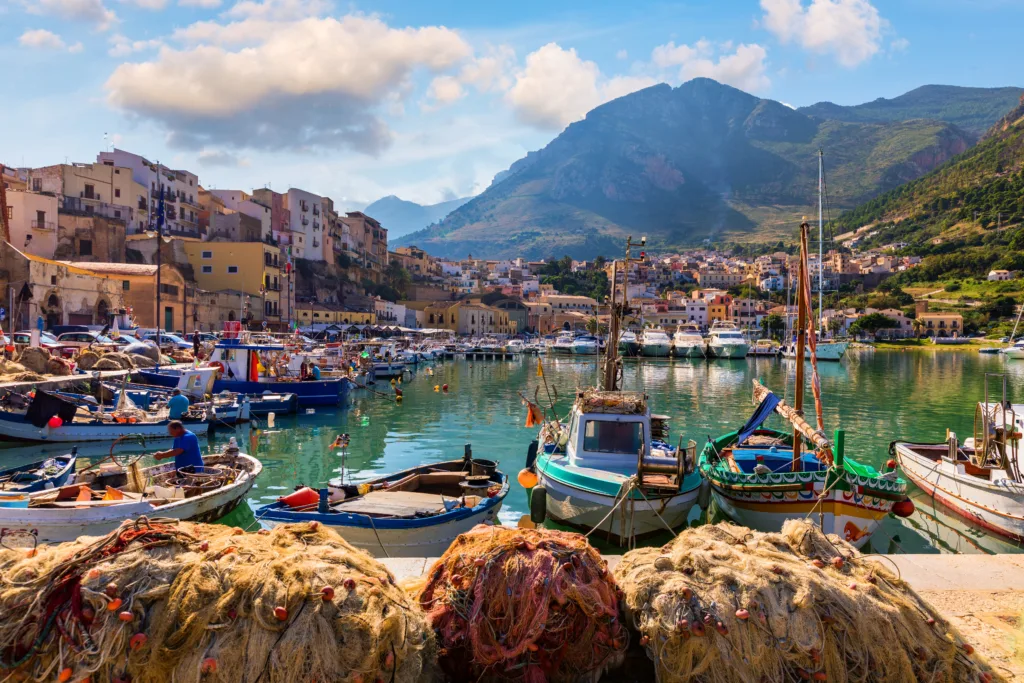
(726, 341)
(98, 500)
(980, 479)
(688, 342)
(763, 477)
(417, 512)
(655, 343)
(629, 345)
(51, 418)
(609, 469)
(585, 345)
(37, 476)
(764, 347)
(563, 343)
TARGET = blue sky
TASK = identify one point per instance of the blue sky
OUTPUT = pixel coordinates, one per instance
(428, 100)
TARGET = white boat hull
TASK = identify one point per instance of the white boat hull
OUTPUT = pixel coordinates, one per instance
(388, 370)
(730, 351)
(584, 349)
(656, 350)
(428, 541)
(824, 351)
(58, 525)
(997, 505)
(586, 510)
(689, 350)
(13, 430)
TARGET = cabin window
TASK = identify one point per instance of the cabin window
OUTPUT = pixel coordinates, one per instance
(613, 437)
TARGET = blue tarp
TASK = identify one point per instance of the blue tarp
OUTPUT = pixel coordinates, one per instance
(762, 413)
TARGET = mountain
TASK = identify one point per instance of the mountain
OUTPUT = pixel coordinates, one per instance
(401, 217)
(973, 109)
(680, 165)
(964, 202)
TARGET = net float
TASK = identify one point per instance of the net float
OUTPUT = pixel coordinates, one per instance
(281, 614)
(126, 616)
(742, 614)
(65, 675)
(209, 666)
(114, 605)
(111, 590)
(204, 546)
(237, 531)
(644, 640)
(818, 563)
(138, 641)
(327, 593)
(838, 562)
(350, 584)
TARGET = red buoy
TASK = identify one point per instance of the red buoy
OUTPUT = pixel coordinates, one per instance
(304, 497)
(903, 508)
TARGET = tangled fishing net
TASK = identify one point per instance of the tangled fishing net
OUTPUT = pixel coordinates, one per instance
(523, 605)
(724, 603)
(160, 601)
(620, 402)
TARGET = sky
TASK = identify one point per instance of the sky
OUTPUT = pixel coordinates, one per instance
(427, 100)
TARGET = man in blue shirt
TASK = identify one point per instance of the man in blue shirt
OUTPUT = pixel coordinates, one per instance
(185, 449)
(177, 404)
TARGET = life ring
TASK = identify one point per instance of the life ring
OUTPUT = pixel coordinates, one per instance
(218, 365)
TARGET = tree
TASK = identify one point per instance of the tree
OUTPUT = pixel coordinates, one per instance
(773, 326)
(835, 324)
(592, 325)
(600, 262)
(918, 326)
(1002, 307)
(872, 324)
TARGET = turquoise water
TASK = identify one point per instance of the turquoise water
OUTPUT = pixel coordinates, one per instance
(876, 396)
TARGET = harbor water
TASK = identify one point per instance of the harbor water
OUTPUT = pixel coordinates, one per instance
(876, 396)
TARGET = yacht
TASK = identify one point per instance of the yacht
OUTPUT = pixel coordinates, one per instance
(629, 345)
(726, 341)
(831, 350)
(585, 345)
(654, 342)
(764, 347)
(563, 343)
(688, 341)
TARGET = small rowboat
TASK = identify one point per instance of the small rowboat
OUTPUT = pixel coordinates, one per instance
(99, 500)
(417, 512)
(37, 476)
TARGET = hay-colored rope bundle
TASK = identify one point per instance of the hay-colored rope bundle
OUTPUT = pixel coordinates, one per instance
(723, 603)
(523, 605)
(161, 601)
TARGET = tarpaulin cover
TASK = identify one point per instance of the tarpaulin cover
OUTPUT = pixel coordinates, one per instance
(44, 406)
(764, 410)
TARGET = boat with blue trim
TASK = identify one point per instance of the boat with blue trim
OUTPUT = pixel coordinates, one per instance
(38, 476)
(417, 512)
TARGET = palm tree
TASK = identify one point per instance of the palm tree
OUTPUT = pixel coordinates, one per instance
(592, 325)
(918, 326)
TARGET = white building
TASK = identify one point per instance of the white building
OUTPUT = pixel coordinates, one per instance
(181, 190)
(239, 201)
(32, 222)
(999, 275)
(307, 222)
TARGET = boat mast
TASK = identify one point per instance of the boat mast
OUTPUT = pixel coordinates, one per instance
(801, 339)
(821, 236)
(611, 369)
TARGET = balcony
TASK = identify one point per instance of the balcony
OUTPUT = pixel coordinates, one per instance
(49, 226)
(316, 211)
(91, 196)
(316, 225)
(303, 206)
(305, 221)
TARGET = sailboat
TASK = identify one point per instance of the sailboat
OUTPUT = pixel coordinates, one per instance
(762, 477)
(826, 350)
(609, 468)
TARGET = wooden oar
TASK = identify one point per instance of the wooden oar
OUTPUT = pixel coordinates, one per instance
(824, 446)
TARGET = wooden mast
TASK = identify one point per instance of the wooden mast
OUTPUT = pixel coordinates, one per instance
(611, 369)
(801, 341)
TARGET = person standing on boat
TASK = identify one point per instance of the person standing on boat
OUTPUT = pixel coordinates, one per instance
(177, 404)
(184, 450)
(314, 372)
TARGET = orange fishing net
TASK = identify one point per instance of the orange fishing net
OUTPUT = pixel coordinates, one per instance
(523, 605)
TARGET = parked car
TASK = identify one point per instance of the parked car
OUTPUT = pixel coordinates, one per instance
(46, 340)
(167, 340)
(81, 340)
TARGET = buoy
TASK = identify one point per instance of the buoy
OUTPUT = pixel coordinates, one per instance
(209, 666)
(114, 605)
(301, 498)
(742, 614)
(350, 585)
(444, 388)
(204, 546)
(138, 641)
(890, 464)
(281, 614)
(437, 388)
(126, 616)
(54, 422)
(704, 494)
(398, 398)
(527, 478)
(327, 593)
(903, 508)
(65, 675)
(838, 562)
(538, 504)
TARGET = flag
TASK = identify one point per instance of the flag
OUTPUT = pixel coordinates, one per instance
(540, 369)
(534, 416)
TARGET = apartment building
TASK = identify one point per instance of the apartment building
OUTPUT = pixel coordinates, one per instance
(180, 190)
(243, 203)
(32, 222)
(253, 268)
(365, 242)
(306, 214)
(94, 189)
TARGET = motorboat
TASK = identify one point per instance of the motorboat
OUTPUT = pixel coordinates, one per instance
(688, 342)
(824, 350)
(764, 347)
(655, 343)
(726, 341)
(629, 345)
(585, 345)
(38, 476)
(563, 344)
(417, 512)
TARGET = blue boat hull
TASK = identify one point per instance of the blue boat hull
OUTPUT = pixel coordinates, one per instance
(325, 392)
(33, 482)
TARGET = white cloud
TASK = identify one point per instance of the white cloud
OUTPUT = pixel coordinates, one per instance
(556, 87)
(41, 39)
(122, 46)
(205, 4)
(492, 71)
(743, 68)
(216, 157)
(87, 11)
(849, 29)
(155, 5)
(621, 54)
(279, 10)
(899, 45)
(312, 82)
(445, 90)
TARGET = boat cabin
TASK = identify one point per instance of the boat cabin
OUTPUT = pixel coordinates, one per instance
(608, 431)
(241, 361)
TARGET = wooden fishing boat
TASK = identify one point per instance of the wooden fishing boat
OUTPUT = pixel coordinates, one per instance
(100, 499)
(417, 512)
(38, 476)
(763, 477)
(981, 479)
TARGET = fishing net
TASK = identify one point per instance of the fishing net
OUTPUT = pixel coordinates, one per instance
(723, 603)
(618, 402)
(159, 601)
(523, 605)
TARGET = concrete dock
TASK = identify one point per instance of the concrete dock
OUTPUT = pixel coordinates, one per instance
(981, 595)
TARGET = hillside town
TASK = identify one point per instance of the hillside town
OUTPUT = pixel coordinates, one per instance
(83, 247)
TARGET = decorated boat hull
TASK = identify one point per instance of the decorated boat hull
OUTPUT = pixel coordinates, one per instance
(15, 427)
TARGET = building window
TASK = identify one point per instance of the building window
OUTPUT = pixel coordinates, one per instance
(90, 192)
(117, 214)
(207, 269)
(85, 247)
(207, 254)
(169, 289)
(232, 270)
(117, 192)
(37, 184)
(126, 285)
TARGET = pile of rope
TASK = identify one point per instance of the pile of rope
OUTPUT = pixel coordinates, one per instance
(524, 605)
(724, 603)
(158, 601)
(619, 402)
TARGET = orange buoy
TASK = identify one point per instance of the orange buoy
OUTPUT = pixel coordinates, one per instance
(126, 616)
(327, 593)
(527, 479)
(209, 666)
(903, 508)
(114, 605)
(281, 614)
(138, 641)
(65, 675)
(305, 496)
